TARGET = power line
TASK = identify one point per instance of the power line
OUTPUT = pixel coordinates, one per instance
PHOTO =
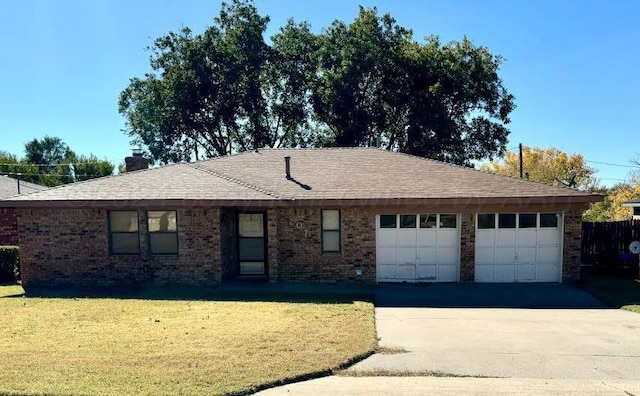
(612, 164)
(41, 174)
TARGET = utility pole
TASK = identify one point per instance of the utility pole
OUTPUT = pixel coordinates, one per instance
(520, 147)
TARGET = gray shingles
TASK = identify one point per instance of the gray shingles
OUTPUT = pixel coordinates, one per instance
(9, 187)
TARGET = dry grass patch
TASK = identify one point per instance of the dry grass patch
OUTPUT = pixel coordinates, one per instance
(102, 346)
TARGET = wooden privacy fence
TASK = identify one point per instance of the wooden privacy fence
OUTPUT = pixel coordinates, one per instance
(606, 245)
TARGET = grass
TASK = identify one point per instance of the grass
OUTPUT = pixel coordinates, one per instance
(110, 346)
(616, 292)
(403, 373)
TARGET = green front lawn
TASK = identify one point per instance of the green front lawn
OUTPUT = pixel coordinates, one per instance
(617, 292)
(108, 346)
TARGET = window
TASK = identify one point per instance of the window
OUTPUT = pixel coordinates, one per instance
(506, 220)
(163, 232)
(548, 220)
(428, 221)
(407, 221)
(528, 220)
(448, 221)
(388, 221)
(123, 232)
(330, 231)
(636, 210)
(486, 221)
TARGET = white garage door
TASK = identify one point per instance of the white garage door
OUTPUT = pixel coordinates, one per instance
(518, 247)
(417, 247)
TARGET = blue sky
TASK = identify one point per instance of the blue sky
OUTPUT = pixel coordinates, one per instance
(572, 65)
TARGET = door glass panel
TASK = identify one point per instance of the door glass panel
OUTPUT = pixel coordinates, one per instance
(251, 249)
(507, 220)
(428, 221)
(330, 220)
(252, 268)
(528, 220)
(486, 221)
(448, 221)
(250, 225)
(407, 221)
(388, 221)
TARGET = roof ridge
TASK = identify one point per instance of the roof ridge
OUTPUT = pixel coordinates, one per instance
(236, 181)
(490, 173)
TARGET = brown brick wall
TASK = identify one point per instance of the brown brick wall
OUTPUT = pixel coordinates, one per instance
(8, 227)
(572, 244)
(300, 250)
(70, 247)
(467, 247)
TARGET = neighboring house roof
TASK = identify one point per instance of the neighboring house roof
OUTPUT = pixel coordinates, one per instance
(9, 187)
(354, 175)
(633, 202)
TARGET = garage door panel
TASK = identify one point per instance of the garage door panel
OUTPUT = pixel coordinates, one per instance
(387, 237)
(505, 237)
(527, 238)
(526, 272)
(427, 237)
(486, 238)
(387, 256)
(447, 273)
(427, 272)
(407, 271)
(547, 272)
(505, 255)
(504, 273)
(448, 237)
(548, 237)
(484, 273)
(485, 255)
(427, 255)
(406, 255)
(548, 254)
(387, 272)
(447, 255)
(527, 255)
(407, 237)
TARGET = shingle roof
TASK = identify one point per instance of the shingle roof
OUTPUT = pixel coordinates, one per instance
(317, 174)
(9, 187)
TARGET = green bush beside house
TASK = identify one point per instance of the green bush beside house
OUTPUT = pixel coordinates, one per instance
(9, 264)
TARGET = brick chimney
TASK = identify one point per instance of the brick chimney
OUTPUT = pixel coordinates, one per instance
(136, 161)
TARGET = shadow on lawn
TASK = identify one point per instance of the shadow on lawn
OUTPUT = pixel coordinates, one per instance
(255, 293)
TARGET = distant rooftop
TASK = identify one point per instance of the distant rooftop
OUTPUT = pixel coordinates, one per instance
(9, 187)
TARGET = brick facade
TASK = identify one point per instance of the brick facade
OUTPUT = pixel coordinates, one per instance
(8, 227)
(71, 247)
(572, 245)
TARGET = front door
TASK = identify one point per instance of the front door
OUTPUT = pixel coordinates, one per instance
(251, 244)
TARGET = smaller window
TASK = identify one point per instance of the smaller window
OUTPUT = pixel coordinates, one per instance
(448, 221)
(548, 220)
(507, 220)
(428, 221)
(636, 210)
(407, 221)
(388, 221)
(528, 220)
(123, 232)
(330, 231)
(163, 232)
(486, 221)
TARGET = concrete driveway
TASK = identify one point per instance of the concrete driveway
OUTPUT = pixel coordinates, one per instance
(522, 331)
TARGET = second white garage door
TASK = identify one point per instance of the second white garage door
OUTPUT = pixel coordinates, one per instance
(417, 247)
(518, 247)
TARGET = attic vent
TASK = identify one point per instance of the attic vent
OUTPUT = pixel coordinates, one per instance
(287, 167)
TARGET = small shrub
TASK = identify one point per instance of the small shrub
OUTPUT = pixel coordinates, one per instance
(9, 264)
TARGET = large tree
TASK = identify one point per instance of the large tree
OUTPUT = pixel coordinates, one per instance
(377, 85)
(546, 165)
(364, 83)
(224, 90)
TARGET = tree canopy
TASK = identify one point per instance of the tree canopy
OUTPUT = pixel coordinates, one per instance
(546, 165)
(365, 83)
(50, 162)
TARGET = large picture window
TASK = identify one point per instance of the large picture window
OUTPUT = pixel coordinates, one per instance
(123, 232)
(330, 231)
(163, 232)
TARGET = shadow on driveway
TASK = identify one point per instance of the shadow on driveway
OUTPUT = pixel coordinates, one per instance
(484, 295)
